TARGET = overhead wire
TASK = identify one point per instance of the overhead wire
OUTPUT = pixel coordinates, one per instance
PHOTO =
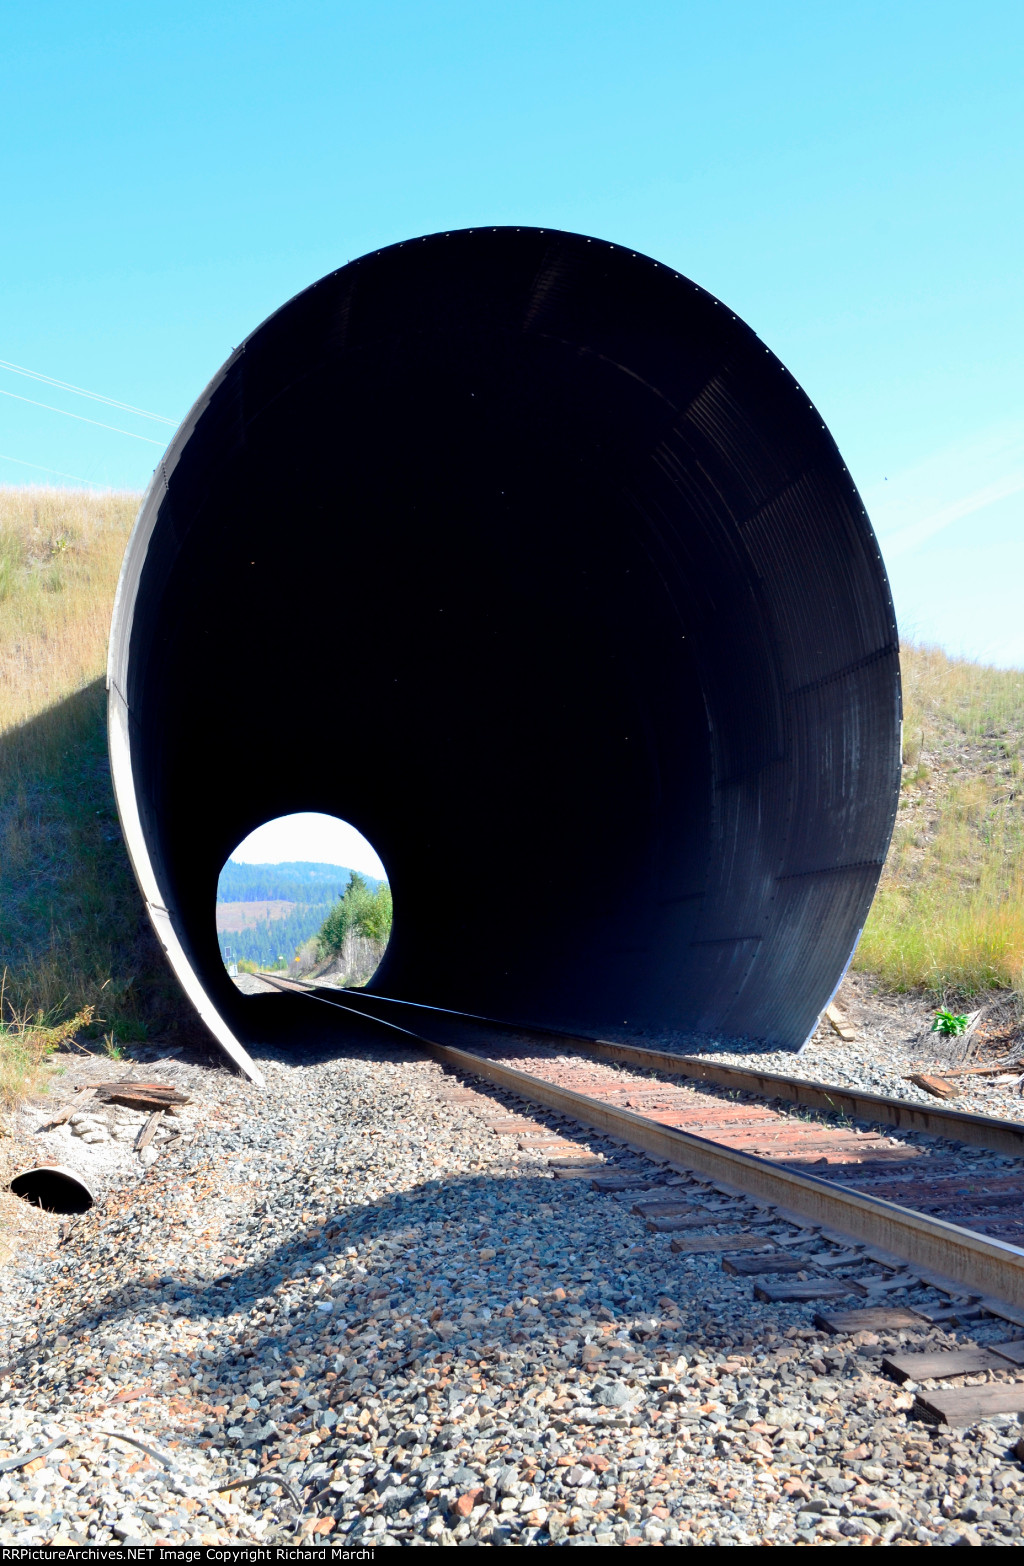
(80, 391)
(81, 416)
(57, 472)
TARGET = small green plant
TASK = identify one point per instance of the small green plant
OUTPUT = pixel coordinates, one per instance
(950, 1024)
(26, 1044)
(128, 1030)
(111, 1048)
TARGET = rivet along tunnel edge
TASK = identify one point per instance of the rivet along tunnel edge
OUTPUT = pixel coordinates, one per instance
(523, 554)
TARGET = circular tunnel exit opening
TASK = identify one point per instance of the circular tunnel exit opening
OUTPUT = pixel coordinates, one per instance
(306, 895)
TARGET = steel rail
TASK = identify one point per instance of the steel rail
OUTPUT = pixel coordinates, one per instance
(989, 1268)
(999, 1136)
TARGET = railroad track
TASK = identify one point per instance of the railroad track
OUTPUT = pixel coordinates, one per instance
(876, 1231)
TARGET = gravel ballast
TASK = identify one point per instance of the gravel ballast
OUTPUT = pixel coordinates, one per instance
(892, 1041)
(349, 1290)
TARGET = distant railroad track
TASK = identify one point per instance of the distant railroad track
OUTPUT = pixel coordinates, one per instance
(899, 1221)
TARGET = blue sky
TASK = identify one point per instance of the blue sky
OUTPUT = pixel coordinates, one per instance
(846, 176)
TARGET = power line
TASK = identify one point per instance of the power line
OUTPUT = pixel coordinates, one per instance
(82, 418)
(80, 391)
(57, 472)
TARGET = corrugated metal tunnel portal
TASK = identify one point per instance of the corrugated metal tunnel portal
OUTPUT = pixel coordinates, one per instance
(524, 555)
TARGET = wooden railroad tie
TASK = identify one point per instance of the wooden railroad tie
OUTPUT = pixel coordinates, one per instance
(814, 1289)
(702, 1243)
(770, 1262)
(680, 1208)
(965, 1405)
(943, 1363)
(878, 1318)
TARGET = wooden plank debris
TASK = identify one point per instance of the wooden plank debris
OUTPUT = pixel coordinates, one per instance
(876, 1318)
(138, 1095)
(964, 1405)
(979, 1071)
(839, 1023)
(145, 1136)
(65, 1114)
(938, 1087)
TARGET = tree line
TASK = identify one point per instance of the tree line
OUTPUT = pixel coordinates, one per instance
(295, 881)
(364, 907)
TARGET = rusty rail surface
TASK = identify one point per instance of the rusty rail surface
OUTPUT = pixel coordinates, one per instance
(1000, 1136)
(950, 1253)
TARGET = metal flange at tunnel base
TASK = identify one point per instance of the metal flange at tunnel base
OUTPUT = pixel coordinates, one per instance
(978, 1265)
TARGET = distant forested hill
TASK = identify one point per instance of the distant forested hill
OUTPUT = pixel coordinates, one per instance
(296, 881)
(310, 890)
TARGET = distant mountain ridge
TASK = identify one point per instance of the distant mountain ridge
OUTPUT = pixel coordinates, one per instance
(295, 881)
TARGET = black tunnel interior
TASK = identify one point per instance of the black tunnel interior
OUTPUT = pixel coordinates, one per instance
(524, 555)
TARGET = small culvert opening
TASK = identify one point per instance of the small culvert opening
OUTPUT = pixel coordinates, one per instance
(56, 1190)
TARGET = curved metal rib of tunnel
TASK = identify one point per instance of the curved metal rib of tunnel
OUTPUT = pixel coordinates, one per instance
(524, 555)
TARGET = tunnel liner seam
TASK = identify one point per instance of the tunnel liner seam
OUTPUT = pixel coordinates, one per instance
(865, 662)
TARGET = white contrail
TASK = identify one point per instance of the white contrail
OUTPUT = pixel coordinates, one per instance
(908, 538)
(57, 472)
(956, 482)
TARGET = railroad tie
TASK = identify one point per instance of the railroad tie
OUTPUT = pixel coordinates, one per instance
(878, 1318)
(939, 1366)
(966, 1405)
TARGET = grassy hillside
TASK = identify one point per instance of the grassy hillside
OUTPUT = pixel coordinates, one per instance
(73, 933)
(949, 913)
(233, 918)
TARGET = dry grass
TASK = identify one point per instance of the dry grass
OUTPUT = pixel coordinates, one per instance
(60, 553)
(25, 1044)
(949, 914)
(73, 935)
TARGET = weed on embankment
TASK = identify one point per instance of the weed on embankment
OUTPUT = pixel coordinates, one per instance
(948, 917)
